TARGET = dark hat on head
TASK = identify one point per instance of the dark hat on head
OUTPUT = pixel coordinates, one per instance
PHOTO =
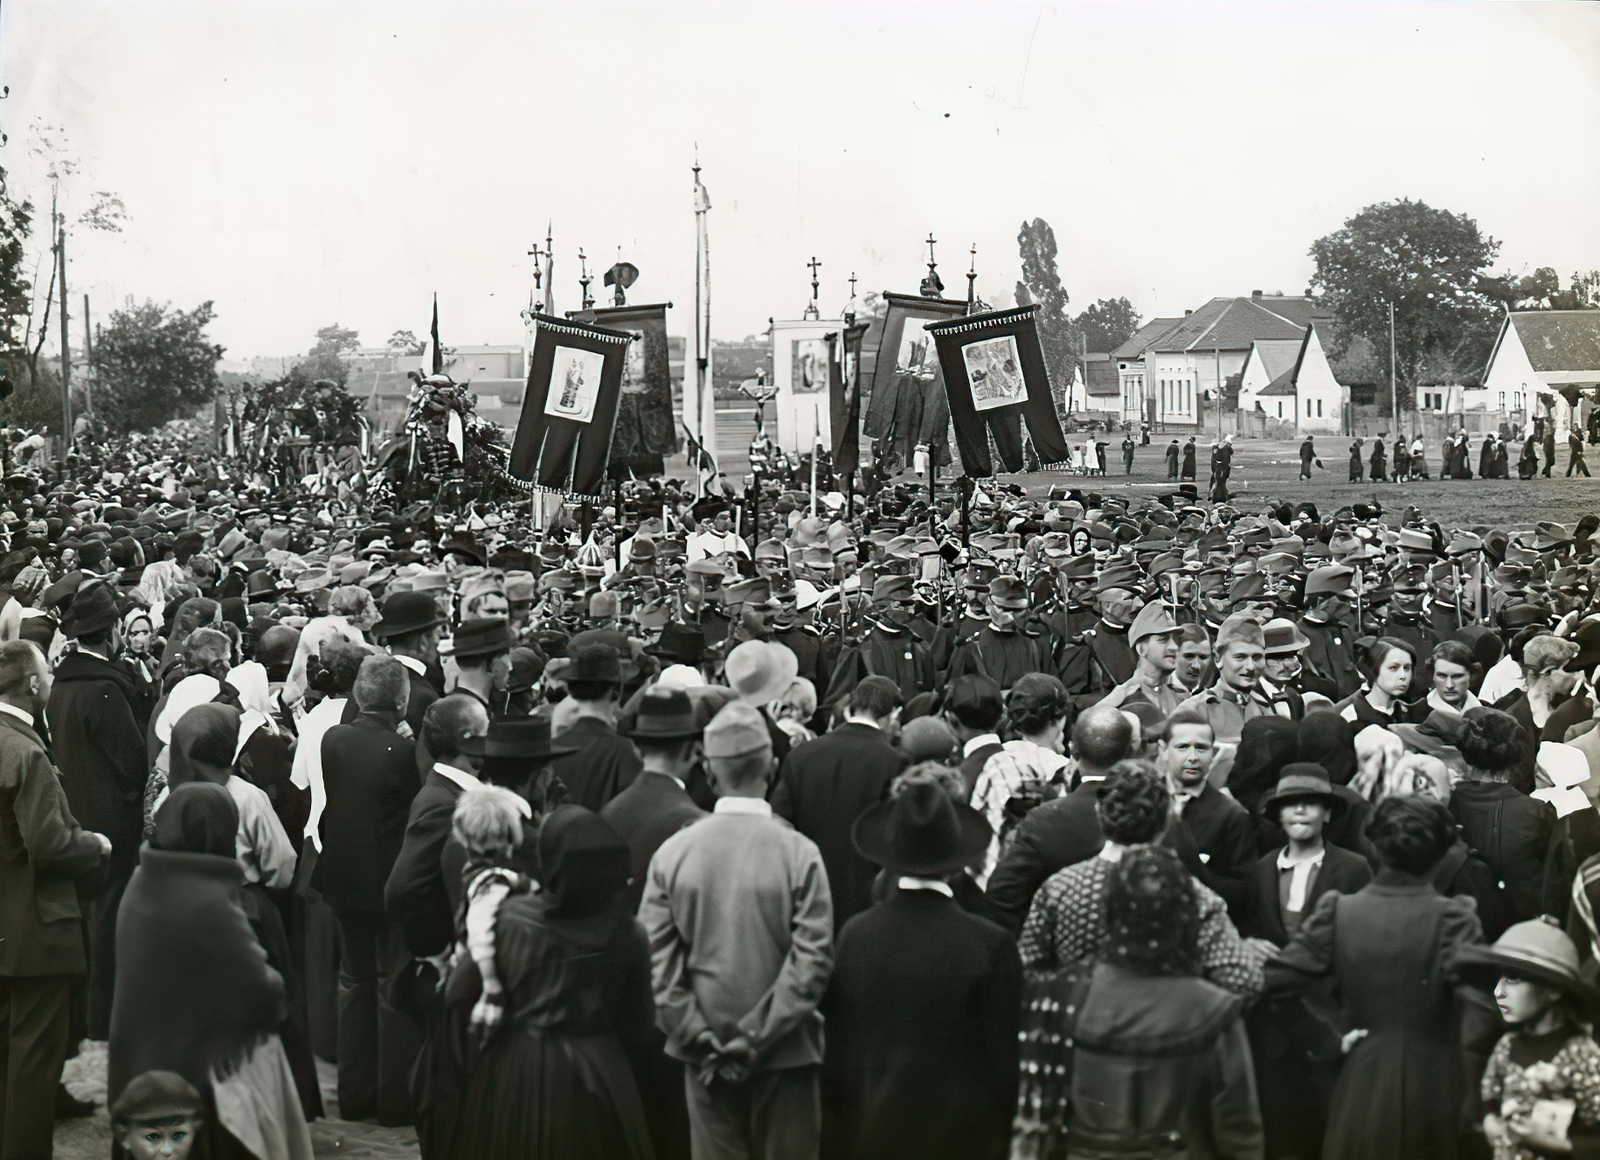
(1436, 735)
(93, 553)
(667, 715)
(595, 662)
(1588, 640)
(921, 831)
(684, 643)
(1008, 592)
(93, 611)
(519, 737)
(156, 1095)
(406, 612)
(1301, 779)
(482, 637)
(1332, 740)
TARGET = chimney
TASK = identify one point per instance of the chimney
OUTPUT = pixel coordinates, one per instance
(1255, 294)
(1186, 313)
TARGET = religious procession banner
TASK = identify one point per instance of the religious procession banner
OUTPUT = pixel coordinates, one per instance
(994, 376)
(844, 397)
(907, 404)
(800, 378)
(569, 409)
(646, 430)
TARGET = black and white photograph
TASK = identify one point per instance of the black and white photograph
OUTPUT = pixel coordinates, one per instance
(831, 581)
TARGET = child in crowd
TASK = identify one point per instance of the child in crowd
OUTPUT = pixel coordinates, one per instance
(488, 825)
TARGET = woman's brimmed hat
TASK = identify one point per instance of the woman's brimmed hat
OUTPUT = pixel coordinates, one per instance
(921, 831)
(1538, 950)
(1300, 780)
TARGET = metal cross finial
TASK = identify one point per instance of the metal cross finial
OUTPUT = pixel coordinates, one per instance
(972, 276)
(812, 309)
(932, 286)
(536, 253)
(852, 283)
(931, 262)
(584, 278)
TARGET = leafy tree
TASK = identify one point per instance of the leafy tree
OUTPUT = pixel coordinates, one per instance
(16, 224)
(1108, 324)
(1430, 263)
(405, 342)
(153, 363)
(1541, 290)
(1041, 283)
(325, 359)
(1584, 293)
(34, 403)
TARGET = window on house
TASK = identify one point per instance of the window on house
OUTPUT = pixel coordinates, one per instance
(1502, 400)
(1308, 408)
(1319, 408)
(1280, 410)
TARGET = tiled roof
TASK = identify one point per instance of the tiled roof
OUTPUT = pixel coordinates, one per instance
(1282, 385)
(1560, 340)
(1227, 324)
(1144, 338)
(1296, 308)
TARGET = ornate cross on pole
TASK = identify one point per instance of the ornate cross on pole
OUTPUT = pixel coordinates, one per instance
(584, 279)
(814, 310)
(932, 287)
(972, 278)
(536, 253)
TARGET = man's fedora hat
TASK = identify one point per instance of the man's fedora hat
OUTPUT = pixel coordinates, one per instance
(527, 738)
(761, 671)
(407, 612)
(666, 715)
(921, 831)
(482, 637)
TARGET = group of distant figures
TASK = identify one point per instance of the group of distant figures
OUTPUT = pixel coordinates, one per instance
(1494, 457)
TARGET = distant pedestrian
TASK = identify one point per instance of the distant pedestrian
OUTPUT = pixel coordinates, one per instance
(1501, 460)
(1356, 461)
(1486, 458)
(1575, 453)
(1528, 464)
(1188, 458)
(1128, 446)
(1402, 461)
(1144, 436)
(1419, 460)
(1100, 455)
(1308, 456)
(1377, 465)
(1549, 447)
(1172, 460)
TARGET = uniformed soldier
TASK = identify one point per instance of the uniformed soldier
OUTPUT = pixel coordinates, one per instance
(888, 649)
(702, 597)
(789, 627)
(1406, 620)
(1154, 635)
(1330, 658)
(1004, 649)
(1240, 654)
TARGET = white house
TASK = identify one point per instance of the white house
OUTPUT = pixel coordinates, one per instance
(1307, 391)
(1268, 358)
(1546, 362)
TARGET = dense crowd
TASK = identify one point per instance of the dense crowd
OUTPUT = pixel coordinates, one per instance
(911, 822)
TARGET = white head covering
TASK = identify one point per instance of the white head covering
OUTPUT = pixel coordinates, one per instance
(199, 689)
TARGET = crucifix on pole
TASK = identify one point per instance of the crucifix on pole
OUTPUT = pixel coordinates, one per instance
(813, 310)
(584, 279)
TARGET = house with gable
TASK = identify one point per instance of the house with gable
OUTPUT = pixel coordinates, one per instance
(1307, 390)
(1268, 359)
(1546, 363)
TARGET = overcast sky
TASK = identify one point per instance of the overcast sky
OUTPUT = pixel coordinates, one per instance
(306, 163)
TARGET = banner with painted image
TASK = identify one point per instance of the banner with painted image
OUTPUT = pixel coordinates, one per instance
(646, 429)
(844, 397)
(569, 410)
(906, 403)
(995, 380)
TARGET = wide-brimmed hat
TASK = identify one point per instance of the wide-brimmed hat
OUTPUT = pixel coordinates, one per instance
(1537, 949)
(1283, 637)
(482, 637)
(407, 612)
(1436, 735)
(527, 738)
(1298, 780)
(921, 831)
(666, 715)
(761, 671)
(93, 611)
(679, 642)
(1588, 638)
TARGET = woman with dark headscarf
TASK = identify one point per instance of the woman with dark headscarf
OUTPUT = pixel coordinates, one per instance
(194, 993)
(554, 1079)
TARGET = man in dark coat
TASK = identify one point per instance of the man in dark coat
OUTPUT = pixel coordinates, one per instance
(1066, 830)
(411, 628)
(1575, 460)
(415, 894)
(1172, 460)
(100, 751)
(932, 1073)
(1004, 649)
(1222, 829)
(369, 772)
(1549, 448)
(42, 851)
(973, 708)
(602, 763)
(826, 784)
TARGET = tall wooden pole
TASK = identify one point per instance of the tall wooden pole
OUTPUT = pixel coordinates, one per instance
(88, 361)
(66, 355)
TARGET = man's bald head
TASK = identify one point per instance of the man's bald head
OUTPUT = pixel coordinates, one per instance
(1101, 737)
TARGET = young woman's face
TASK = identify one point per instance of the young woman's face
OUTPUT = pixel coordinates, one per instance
(1522, 1000)
(139, 638)
(1394, 674)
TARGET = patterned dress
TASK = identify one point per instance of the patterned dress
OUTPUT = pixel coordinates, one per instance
(1560, 1065)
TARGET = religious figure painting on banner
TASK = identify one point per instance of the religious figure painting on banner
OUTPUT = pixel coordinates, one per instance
(995, 372)
(810, 366)
(574, 384)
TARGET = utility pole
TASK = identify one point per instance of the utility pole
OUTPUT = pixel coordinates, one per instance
(1394, 390)
(88, 361)
(1216, 355)
(66, 355)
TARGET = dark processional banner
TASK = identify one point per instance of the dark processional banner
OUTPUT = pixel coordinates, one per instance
(646, 430)
(908, 405)
(995, 377)
(844, 397)
(569, 409)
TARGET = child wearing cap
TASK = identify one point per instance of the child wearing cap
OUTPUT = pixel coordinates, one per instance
(1541, 1088)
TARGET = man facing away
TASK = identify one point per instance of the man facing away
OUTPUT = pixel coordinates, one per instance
(740, 923)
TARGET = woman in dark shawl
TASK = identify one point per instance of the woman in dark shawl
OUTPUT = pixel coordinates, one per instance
(194, 993)
(554, 1080)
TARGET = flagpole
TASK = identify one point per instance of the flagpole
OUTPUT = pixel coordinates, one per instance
(705, 425)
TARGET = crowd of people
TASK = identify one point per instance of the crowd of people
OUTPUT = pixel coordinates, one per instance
(1494, 456)
(919, 822)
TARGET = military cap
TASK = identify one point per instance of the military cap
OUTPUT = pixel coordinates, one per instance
(1414, 579)
(1415, 540)
(1329, 580)
(756, 590)
(1164, 563)
(1077, 568)
(1251, 587)
(979, 575)
(1154, 619)
(887, 589)
(1118, 576)
(1463, 543)
(1240, 627)
(706, 568)
(1008, 592)
(1522, 615)
(1278, 563)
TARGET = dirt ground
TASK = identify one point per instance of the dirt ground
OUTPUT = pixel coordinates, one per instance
(331, 1139)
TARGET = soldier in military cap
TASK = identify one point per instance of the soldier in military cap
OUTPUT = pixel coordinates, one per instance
(702, 599)
(1330, 659)
(1240, 654)
(792, 627)
(1154, 636)
(889, 649)
(975, 583)
(1406, 620)
(1004, 649)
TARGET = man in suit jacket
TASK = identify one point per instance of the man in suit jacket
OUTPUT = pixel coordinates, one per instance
(925, 999)
(973, 708)
(369, 772)
(100, 750)
(826, 784)
(415, 895)
(1222, 828)
(42, 851)
(602, 763)
(1067, 830)
(411, 628)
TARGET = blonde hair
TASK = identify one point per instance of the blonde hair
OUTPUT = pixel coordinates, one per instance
(487, 821)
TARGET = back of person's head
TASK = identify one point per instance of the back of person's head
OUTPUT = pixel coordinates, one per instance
(487, 822)
(275, 650)
(448, 722)
(335, 667)
(350, 601)
(1545, 653)
(206, 649)
(20, 660)
(1411, 832)
(1152, 919)
(196, 612)
(927, 739)
(1037, 702)
(975, 702)
(946, 777)
(1133, 803)
(381, 683)
(1101, 737)
(594, 656)
(1493, 743)
(875, 697)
